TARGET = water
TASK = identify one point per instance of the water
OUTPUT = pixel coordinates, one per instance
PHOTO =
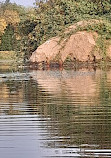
(55, 113)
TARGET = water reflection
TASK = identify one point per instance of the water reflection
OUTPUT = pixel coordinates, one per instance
(77, 112)
(71, 83)
(55, 114)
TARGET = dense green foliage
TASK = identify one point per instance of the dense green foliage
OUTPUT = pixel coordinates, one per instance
(50, 17)
(11, 17)
(53, 16)
(8, 39)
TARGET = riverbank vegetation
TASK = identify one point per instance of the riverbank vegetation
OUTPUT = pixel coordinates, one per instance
(24, 29)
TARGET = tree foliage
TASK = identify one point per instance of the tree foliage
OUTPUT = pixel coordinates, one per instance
(33, 26)
(11, 15)
(53, 16)
(3, 25)
(8, 40)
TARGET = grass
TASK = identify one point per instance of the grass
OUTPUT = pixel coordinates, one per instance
(7, 55)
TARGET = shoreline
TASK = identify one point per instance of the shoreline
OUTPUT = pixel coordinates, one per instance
(69, 65)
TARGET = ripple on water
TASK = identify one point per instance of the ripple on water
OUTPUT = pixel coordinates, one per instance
(55, 114)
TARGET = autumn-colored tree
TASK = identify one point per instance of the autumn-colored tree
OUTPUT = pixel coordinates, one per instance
(11, 17)
(3, 25)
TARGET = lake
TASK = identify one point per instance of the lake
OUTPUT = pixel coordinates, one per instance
(55, 113)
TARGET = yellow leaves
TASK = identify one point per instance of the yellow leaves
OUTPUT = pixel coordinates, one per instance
(8, 17)
(18, 37)
(3, 25)
(11, 17)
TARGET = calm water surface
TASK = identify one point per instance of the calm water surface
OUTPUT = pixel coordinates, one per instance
(55, 113)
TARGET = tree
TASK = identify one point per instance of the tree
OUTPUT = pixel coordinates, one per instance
(103, 6)
(2, 25)
(7, 1)
(11, 17)
(8, 39)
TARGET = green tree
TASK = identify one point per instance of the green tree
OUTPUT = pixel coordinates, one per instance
(102, 6)
(8, 39)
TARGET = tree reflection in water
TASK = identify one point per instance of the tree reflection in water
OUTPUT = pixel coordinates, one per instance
(77, 103)
(74, 102)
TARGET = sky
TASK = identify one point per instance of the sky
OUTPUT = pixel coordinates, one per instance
(26, 3)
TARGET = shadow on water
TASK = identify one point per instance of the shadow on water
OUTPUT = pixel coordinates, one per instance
(55, 113)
